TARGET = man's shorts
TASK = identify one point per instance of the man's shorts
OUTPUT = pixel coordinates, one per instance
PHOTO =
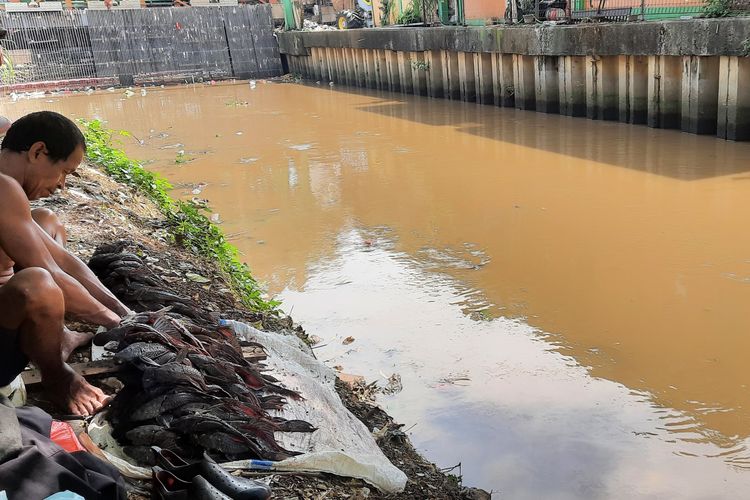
(12, 360)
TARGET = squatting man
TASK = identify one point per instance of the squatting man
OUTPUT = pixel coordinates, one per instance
(41, 283)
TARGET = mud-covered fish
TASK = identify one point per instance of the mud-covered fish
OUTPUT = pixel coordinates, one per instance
(157, 352)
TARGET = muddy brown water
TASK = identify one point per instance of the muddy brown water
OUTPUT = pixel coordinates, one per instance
(566, 301)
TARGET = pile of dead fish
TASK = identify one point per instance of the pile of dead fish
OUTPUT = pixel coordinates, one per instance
(187, 386)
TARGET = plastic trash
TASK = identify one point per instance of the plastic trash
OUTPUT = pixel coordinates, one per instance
(64, 436)
(16, 392)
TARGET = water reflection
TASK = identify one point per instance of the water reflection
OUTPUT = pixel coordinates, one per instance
(520, 416)
(412, 223)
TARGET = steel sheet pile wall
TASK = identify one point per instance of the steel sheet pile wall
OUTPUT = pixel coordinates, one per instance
(144, 45)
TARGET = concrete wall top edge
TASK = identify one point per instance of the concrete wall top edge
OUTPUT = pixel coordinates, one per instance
(701, 37)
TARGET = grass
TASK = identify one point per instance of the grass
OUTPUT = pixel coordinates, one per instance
(717, 8)
(187, 222)
(7, 70)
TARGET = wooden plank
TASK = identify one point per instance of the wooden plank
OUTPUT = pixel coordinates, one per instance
(102, 367)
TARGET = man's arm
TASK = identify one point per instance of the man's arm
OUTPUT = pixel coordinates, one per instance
(21, 241)
(73, 266)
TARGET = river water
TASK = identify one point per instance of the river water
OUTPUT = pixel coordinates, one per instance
(565, 301)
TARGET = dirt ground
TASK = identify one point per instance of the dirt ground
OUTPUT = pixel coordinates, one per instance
(97, 210)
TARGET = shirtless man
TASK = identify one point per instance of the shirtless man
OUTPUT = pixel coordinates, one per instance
(37, 153)
(4, 122)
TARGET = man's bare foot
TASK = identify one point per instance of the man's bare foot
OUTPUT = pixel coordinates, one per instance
(72, 393)
(72, 340)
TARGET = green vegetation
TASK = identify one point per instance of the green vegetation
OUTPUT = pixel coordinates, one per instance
(186, 221)
(181, 158)
(745, 47)
(385, 12)
(412, 14)
(7, 70)
(717, 8)
(420, 65)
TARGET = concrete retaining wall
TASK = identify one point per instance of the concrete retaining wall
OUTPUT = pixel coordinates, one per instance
(691, 75)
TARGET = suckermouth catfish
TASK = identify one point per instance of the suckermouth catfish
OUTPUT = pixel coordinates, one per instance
(187, 386)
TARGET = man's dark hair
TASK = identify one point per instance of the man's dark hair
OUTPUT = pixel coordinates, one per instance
(59, 134)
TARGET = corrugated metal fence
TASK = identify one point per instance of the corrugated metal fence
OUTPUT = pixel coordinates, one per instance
(140, 46)
(46, 46)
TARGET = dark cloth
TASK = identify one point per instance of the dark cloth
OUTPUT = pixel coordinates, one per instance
(41, 468)
(12, 360)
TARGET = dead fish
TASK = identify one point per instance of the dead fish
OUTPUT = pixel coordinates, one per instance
(177, 329)
(192, 409)
(296, 426)
(272, 402)
(215, 434)
(214, 368)
(152, 335)
(153, 294)
(114, 334)
(173, 374)
(163, 404)
(157, 352)
(255, 380)
(141, 454)
(149, 435)
(227, 444)
(102, 261)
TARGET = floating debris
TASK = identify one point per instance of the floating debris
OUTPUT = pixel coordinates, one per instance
(393, 384)
(237, 104)
(199, 188)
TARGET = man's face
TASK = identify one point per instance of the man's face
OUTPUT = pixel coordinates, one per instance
(44, 176)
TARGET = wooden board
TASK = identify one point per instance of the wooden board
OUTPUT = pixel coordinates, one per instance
(33, 376)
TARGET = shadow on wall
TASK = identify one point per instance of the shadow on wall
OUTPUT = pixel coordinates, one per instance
(668, 153)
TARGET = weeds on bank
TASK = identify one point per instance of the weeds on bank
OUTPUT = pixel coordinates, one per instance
(420, 65)
(187, 222)
(385, 12)
(7, 70)
(717, 8)
(412, 14)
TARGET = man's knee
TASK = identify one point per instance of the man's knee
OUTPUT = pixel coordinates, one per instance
(45, 216)
(37, 290)
(4, 125)
(48, 220)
